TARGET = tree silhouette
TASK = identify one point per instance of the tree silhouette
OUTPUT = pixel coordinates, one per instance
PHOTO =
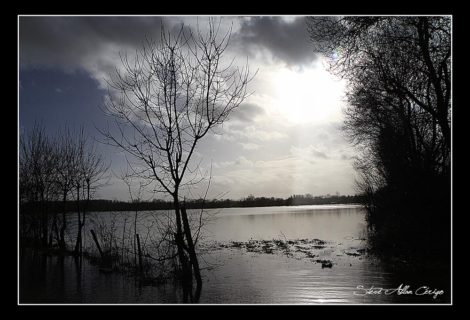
(56, 168)
(37, 176)
(163, 103)
(399, 83)
(90, 170)
(66, 147)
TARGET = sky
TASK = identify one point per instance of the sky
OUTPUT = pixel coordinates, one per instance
(284, 139)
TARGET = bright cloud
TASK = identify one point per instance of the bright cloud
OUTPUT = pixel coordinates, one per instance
(284, 139)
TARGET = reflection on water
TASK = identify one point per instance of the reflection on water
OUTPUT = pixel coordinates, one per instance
(233, 275)
(331, 223)
(62, 280)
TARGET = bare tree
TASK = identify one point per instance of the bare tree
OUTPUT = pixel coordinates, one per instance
(37, 174)
(135, 197)
(398, 68)
(90, 169)
(51, 169)
(163, 103)
(66, 149)
(399, 112)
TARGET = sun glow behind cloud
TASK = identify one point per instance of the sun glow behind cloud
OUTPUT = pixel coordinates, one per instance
(285, 138)
(311, 95)
(285, 147)
(294, 145)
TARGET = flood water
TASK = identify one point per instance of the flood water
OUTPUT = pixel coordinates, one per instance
(237, 267)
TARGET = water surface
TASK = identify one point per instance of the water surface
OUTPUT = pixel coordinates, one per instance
(234, 275)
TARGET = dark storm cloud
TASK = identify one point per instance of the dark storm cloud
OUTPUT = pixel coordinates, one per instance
(247, 112)
(287, 41)
(71, 42)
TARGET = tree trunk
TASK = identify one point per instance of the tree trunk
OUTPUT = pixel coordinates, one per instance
(79, 226)
(141, 267)
(44, 219)
(55, 229)
(93, 234)
(135, 239)
(82, 224)
(192, 254)
(64, 223)
(179, 239)
(441, 106)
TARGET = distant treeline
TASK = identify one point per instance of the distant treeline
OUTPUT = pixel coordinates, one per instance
(250, 201)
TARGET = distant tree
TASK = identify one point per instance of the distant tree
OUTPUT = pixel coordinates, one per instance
(51, 169)
(90, 170)
(135, 198)
(66, 168)
(164, 102)
(37, 163)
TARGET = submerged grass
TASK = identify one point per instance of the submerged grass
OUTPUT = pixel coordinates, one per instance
(306, 248)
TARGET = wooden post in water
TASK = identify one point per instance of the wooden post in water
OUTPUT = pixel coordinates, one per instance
(141, 269)
(97, 243)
